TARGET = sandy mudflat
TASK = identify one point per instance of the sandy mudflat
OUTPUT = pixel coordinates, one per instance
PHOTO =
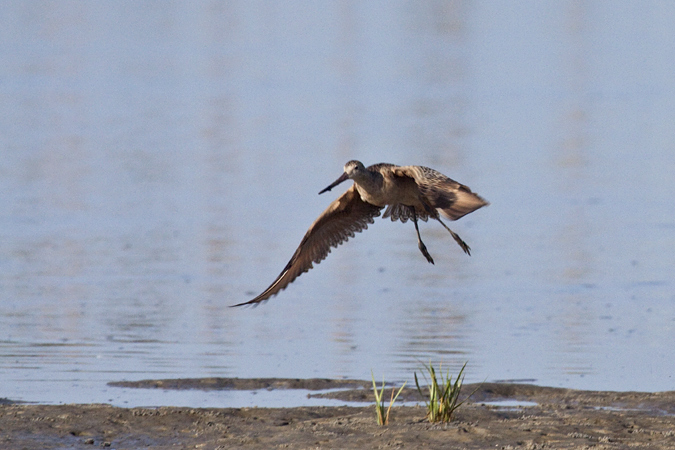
(561, 418)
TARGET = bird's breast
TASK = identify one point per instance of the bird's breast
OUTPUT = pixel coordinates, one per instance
(389, 192)
(376, 198)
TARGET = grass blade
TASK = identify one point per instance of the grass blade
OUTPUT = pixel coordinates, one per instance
(382, 415)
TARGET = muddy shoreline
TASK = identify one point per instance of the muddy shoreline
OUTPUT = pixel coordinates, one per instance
(553, 418)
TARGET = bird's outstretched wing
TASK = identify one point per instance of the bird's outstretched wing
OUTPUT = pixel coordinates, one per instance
(347, 215)
(454, 199)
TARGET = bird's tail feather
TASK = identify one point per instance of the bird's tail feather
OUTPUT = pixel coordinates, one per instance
(464, 202)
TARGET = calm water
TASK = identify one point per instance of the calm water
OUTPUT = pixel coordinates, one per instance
(160, 161)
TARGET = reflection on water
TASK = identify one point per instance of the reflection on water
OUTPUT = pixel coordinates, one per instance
(160, 164)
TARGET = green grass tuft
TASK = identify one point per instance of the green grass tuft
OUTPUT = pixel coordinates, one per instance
(382, 414)
(443, 396)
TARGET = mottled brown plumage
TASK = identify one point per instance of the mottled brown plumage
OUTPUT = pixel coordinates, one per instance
(408, 192)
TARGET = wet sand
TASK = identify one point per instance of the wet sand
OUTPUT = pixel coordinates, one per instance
(559, 418)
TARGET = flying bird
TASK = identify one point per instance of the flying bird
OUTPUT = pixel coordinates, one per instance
(408, 192)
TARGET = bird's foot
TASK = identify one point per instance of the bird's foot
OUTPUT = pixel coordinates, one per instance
(462, 244)
(457, 239)
(423, 249)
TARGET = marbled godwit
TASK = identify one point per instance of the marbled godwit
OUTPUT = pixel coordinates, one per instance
(408, 192)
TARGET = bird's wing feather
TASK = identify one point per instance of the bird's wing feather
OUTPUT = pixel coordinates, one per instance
(454, 199)
(403, 213)
(347, 215)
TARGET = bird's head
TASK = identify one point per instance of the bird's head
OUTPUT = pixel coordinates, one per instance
(353, 170)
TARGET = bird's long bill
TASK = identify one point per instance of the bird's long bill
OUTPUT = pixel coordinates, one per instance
(342, 178)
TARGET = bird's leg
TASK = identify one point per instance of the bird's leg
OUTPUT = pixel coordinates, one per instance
(420, 244)
(456, 237)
